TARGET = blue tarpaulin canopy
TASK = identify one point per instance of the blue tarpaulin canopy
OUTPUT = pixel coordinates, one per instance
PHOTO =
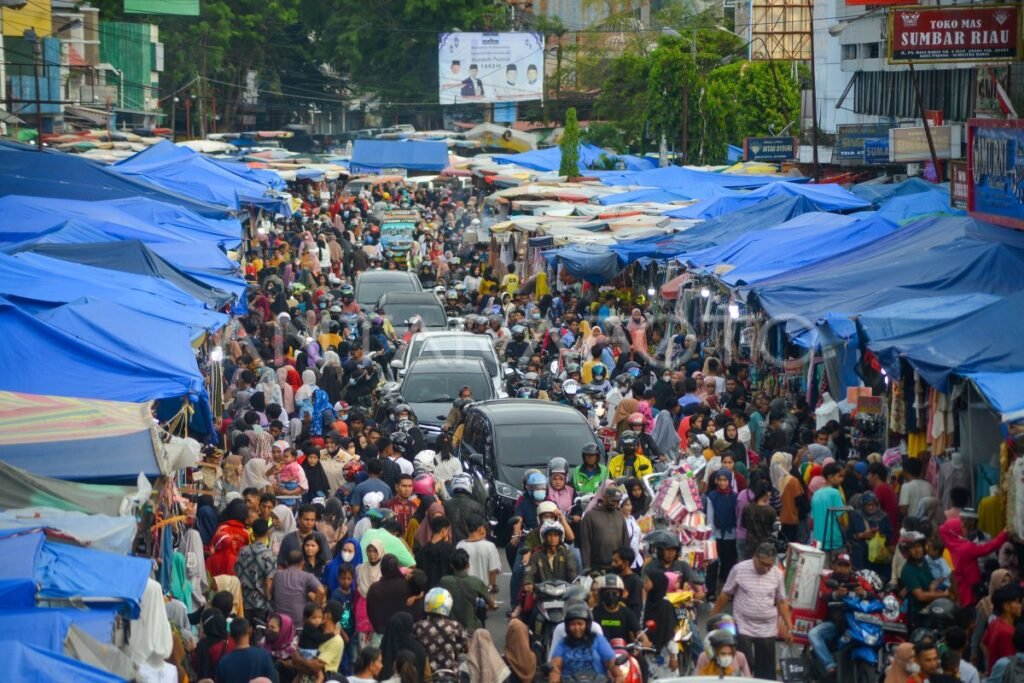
(550, 159)
(24, 662)
(138, 220)
(25, 171)
(679, 178)
(261, 176)
(47, 627)
(662, 195)
(828, 197)
(878, 193)
(372, 156)
(181, 170)
(592, 263)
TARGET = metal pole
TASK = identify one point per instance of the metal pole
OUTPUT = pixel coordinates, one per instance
(814, 100)
(927, 128)
(684, 152)
(37, 50)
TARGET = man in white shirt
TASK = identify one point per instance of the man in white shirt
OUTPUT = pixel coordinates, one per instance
(484, 561)
(915, 487)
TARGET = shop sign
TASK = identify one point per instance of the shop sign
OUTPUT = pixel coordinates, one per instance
(876, 151)
(770, 149)
(958, 184)
(986, 96)
(850, 139)
(955, 34)
(995, 171)
(911, 144)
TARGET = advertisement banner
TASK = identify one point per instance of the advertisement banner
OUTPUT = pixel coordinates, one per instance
(770, 149)
(986, 96)
(955, 34)
(850, 139)
(876, 151)
(911, 144)
(490, 67)
(958, 184)
(995, 171)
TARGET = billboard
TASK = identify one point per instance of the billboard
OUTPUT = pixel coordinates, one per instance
(955, 34)
(770, 149)
(780, 30)
(876, 151)
(958, 184)
(490, 67)
(850, 139)
(911, 144)
(995, 171)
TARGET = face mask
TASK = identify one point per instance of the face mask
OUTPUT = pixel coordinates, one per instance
(724, 661)
(348, 555)
(540, 494)
(913, 668)
(609, 599)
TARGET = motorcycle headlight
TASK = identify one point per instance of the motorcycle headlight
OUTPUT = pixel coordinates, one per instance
(506, 491)
(892, 607)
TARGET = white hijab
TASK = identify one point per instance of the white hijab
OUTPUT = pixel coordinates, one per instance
(255, 475)
(305, 392)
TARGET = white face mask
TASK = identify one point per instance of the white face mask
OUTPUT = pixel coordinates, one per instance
(724, 661)
(348, 555)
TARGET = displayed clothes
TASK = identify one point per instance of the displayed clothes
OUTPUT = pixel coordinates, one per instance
(916, 442)
(941, 424)
(897, 410)
(952, 474)
(991, 514)
(827, 411)
(986, 475)
(1015, 498)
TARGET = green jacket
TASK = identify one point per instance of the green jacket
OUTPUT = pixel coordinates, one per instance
(584, 484)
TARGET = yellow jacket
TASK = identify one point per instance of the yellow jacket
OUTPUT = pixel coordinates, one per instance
(617, 465)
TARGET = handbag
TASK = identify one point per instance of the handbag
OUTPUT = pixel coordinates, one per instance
(878, 550)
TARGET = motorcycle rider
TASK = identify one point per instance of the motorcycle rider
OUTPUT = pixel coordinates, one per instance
(599, 383)
(666, 558)
(587, 477)
(611, 614)
(823, 636)
(645, 444)
(629, 463)
(553, 560)
(518, 350)
(721, 657)
(916, 577)
(582, 652)
(348, 300)
(559, 490)
(499, 333)
(461, 506)
(603, 531)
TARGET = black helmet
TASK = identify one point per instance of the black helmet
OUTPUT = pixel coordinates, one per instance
(599, 371)
(662, 538)
(577, 610)
(628, 438)
(401, 441)
(591, 449)
(518, 332)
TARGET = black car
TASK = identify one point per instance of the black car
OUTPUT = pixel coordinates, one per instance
(398, 307)
(431, 385)
(505, 437)
(372, 284)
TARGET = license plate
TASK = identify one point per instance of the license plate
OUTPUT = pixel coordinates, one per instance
(553, 604)
(868, 619)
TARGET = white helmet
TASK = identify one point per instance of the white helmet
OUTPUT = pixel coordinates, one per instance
(426, 459)
(548, 527)
(462, 482)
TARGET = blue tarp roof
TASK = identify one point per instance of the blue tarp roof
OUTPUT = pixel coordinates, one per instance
(877, 193)
(66, 571)
(828, 197)
(550, 159)
(662, 195)
(370, 156)
(59, 359)
(146, 220)
(261, 176)
(766, 213)
(132, 256)
(806, 239)
(29, 663)
(181, 170)
(681, 179)
(592, 263)
(32, 280)
(25, 171)
(902, 208)
(47, 627)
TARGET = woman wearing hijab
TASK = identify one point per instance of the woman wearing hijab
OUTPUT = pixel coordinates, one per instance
(284, 524)
(930, 508)
(483, 660)
(316, 478)
(279, 638)
(230, 537)
(790, 491)
(206, 519)
(658, 609)
(398, 637)
(270, 386)
(304, 394)
(387, 596)
(664, 436)
(331, 377)
(367, 574)
(721, 509)
(965, 553)
(626, 407)
(213, 645)
(348, 551)
(638, 497)
(519, 655)
(287, 392)
(255, 475)
(999, 578)
(868, 520)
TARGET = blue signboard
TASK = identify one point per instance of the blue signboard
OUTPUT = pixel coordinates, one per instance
(505, 112)
(770, 149)
(995, 171)
(876, 150)
(850, 139)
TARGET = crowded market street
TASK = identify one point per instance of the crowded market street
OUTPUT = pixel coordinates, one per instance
(593, 343)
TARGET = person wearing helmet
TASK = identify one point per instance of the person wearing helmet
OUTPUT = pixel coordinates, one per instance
(462, 505)
(553, 560)
(573, 372)
(664, 550)
(720, 656)
(425, 461)
(518, 350)
(599, 379)
(603, 530)
(442, 637)
(582, 653)
(348, 300)
(559, 490)
(629, 463)
(613, 616)
(916, 576)
(587, 477)
(500, 335)
(835, 585)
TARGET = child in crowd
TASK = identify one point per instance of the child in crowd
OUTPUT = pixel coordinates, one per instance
(312, 634)
(345, 594)
(937, 564)
(291, 477)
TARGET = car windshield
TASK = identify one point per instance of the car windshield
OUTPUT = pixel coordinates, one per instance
(368, 292)
(457, 347)
(443, 387)
(433, 315)
(522, 446)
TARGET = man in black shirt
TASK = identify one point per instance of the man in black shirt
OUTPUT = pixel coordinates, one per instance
(245, 662)
(616, 620)
(633, 585)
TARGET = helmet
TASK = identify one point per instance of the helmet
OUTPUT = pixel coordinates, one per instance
(583, 402)
(910, 538)
(872, 579)
(495, 319)
(591, 449)
(426, 459)
(413, 320)
(716, 639)
(614, 494)
(628, 438)
(636, 419)
(439, 290)
(459, 287)
(577, 610)
(462, 482)
(558, 466)
(347, 292)
(662, 538)
(401, 441)
(518, 332)
(401, 408)
(892, 607)
(611, 582)
(598, 371)
(546, 508)
(526, 392)
(552, 527)
(570, 387)
(531, 378)
(438, 601)
(723, 622)
(423, 485)
(572, 369)
(451, 295)
(536, 479)
(940, 613)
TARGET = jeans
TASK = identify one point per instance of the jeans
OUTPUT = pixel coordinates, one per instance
(760, 654)
(822, 638)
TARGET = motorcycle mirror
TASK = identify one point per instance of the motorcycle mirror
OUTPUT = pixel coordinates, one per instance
(622, 660)
(476, 459)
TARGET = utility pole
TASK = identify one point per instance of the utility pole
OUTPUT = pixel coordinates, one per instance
(924, 118)
(684, 154)
(37, 50)
(814, 99)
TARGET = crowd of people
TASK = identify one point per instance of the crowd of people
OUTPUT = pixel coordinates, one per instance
(339, 546)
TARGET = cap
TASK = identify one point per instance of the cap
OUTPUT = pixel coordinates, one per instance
(968, 513)
(842, 558)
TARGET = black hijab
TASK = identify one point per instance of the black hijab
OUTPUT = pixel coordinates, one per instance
(659, 610)
(316, 477)
(206, 518)
(397, 637)
(641, 503)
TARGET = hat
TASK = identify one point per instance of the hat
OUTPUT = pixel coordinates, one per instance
(341, 406)
(721, 445)
(842, 558)
(968, 513)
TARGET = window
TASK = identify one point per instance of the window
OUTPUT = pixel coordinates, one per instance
(871, 51)
(849, 51)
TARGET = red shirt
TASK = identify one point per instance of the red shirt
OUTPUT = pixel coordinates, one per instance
(998, 641)
(889, 503)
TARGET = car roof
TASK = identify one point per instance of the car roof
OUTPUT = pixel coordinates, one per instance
(409, 298)
(447, 364)
(437, 334)
(515, 411)
(385, 275)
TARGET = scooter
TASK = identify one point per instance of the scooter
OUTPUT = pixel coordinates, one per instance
(859, 647)
(631, 667)
(687, 637)
(549, 609)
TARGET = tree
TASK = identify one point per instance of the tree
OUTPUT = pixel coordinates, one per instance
(570, 166)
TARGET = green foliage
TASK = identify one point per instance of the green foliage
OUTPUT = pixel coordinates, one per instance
(605, 135)
(570, 166)
(623, 100)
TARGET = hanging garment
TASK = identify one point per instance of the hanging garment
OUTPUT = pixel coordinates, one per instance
(986, 476)
(952, 474)
(1015, 498)
(916, 442)
(897, 411)
(991, 515)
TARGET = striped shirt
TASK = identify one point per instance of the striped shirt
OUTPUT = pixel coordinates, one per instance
(754, 598)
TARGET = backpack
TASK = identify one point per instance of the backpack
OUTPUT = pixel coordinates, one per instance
(1014, 671)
